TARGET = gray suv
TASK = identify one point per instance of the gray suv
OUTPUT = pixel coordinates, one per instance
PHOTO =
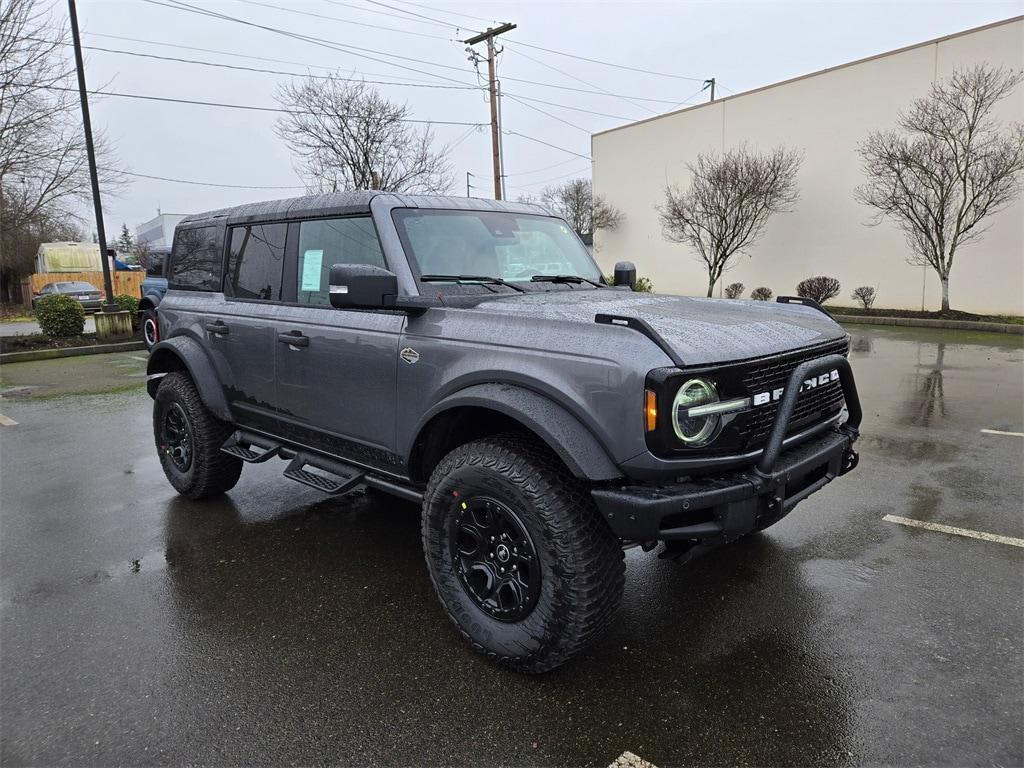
(468, 355)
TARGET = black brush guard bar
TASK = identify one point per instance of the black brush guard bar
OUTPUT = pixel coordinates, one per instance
(800, 374)
(715, 509)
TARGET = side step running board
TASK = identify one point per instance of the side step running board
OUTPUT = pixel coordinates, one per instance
(346, 479)
(240, 445)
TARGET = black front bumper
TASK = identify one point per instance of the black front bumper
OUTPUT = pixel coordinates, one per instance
(715, 509)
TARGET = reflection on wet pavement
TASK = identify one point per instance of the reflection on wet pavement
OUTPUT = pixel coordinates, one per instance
(275, 626)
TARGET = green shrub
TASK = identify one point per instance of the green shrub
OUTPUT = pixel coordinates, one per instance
(60, 315)
(128, 303)
(643, 284)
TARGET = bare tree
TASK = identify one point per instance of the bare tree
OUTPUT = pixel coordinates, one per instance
(606, 215)
(44, 173)
(820, 288)
(865, 294)
(728, 203)
(574, 200)
(734, 290)
(345, 135)
(948, 167)
(761, 294)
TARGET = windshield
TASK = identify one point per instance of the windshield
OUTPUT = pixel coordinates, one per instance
(509, 246)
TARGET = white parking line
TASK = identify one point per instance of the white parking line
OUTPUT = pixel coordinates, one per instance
(1013, 542)
(7, 422)
(1001, 432)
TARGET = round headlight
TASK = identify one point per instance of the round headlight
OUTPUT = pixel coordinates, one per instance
(694, 430)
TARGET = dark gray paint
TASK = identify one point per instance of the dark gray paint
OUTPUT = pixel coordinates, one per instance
(582, 379)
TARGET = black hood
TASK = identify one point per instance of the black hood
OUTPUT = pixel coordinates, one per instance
(700, 331)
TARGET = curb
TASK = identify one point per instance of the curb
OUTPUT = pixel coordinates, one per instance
(922, 322)
(53, 354)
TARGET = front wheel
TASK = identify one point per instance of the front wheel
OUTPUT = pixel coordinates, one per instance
(524, 565)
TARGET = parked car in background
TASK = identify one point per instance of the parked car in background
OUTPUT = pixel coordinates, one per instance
(84, 293)
(152, 290)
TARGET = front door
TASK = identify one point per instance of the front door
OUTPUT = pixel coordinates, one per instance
(336, 369)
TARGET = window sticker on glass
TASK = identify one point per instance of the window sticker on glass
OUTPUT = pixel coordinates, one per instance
(312, 262)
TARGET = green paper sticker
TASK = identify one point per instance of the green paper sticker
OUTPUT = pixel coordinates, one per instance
(312, 262)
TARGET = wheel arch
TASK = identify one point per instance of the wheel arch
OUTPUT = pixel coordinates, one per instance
(182, 353)
(486, 409)
(149, 301)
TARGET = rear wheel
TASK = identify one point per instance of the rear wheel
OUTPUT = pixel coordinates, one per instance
(188, 440)
(150, 329)
(524, 565)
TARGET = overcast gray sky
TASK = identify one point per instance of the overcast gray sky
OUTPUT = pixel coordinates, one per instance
(744, 45)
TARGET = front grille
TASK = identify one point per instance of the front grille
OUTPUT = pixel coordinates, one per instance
(813, 406)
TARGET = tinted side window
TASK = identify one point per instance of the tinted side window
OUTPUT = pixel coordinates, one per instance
(256, 262)
(196, 259)
(325, 242)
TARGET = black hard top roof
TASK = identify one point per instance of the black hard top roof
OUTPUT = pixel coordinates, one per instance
(348, 203)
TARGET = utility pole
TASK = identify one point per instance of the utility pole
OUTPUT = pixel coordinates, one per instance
(492, 85)
(468, 185)
(90, 149)
(711, 82)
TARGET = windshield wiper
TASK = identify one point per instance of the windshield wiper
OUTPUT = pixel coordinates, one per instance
(575, 279)
(461, 279)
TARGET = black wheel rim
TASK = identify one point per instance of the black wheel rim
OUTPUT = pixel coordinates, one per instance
(176, 437)
(495, 558)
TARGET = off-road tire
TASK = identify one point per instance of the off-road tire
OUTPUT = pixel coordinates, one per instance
(582, 569)
(150, 328)
(211, 472)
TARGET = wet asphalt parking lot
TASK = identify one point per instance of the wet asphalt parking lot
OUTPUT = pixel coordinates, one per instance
(276, 626)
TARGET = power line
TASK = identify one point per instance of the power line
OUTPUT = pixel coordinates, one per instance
(364, 9)
(417, 15)
(251, 107)
(340, 47)
(581, 80)
(546, 144)
(296, 11)
(519, 43)
(446, 12)
(545, 168)
(220, 65)
(530, 184)
(202, 183)
(548, 114)
(261, 70)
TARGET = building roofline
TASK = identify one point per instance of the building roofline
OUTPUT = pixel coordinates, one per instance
(816, 73)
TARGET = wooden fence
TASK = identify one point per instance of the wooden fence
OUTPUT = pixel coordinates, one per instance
(124, 282)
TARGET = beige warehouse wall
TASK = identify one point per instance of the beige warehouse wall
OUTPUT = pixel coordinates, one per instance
(825, 115)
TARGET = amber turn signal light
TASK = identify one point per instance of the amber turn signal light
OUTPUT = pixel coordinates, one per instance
(650, 410)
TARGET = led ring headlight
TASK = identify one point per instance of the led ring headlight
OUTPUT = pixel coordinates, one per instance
(694, 430)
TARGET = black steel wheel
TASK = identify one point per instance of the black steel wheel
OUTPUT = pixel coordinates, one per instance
(188, 440)
(495, 558)
(522, 561)
(176, 437)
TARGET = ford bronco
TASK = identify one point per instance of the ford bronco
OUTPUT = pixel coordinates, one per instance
(469, 356)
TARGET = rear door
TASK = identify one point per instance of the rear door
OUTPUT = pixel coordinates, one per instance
(336, 369)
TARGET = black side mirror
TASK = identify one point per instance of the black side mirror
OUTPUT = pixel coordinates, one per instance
(625, 274)
(362, 286)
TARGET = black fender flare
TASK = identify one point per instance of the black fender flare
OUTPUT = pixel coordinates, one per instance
(565, 434)
(184, 351)
(149, 301)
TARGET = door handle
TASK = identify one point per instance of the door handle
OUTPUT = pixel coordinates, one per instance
(294, 339)
(217, 327)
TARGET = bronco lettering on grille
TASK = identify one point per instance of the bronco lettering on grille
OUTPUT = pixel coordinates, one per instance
(763, 398)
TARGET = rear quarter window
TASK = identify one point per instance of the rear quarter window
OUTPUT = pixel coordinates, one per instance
(196, 259)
